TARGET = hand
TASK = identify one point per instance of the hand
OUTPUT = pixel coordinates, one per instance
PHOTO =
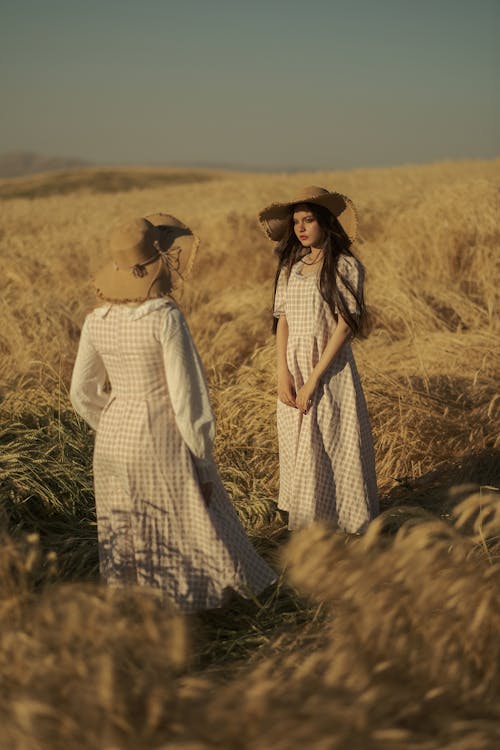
(286, 388)
(304, 396)
(206, 491)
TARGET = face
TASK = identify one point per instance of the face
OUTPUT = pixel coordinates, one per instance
(306, 227)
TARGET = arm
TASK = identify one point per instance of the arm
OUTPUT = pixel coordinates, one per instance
(335, 343)
(351, 269)
(189, 394)
(87, 392)
(286, 386)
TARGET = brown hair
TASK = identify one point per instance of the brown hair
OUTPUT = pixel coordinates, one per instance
(336, 243)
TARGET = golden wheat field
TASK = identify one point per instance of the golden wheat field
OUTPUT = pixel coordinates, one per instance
(387, 641)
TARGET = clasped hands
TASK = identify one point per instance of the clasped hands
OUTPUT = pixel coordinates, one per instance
(300, 399)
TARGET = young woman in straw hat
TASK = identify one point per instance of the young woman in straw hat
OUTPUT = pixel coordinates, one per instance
(327, 468)
(164, 519)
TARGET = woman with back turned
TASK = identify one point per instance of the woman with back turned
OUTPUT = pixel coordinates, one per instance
(164, 519)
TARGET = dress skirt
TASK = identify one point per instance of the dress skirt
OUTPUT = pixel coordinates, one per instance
(154, 527)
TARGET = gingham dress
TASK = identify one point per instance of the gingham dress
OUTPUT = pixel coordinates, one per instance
(153, 525)
(327, 466)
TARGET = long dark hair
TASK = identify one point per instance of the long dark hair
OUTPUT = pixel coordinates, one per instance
(335, 243)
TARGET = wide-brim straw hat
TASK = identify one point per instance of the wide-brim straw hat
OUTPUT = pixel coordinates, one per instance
(150, 257)
(275, 218)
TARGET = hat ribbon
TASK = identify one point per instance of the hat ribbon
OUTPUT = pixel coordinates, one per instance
(139, 269)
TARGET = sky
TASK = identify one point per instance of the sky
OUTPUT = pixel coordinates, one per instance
(260, 84)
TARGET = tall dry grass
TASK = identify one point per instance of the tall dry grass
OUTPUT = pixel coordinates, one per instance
(400, 651)
(390, 641)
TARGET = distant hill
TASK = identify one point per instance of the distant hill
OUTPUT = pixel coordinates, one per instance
(19, 163)
(98, 180)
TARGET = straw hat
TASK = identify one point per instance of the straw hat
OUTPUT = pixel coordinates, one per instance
(150, 257)
(275, 218)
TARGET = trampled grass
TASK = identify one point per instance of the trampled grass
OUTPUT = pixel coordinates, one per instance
(390, 641)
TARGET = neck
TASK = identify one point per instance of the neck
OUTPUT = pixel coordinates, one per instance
(314, 254)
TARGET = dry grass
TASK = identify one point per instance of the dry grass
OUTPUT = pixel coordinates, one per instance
(390, 641)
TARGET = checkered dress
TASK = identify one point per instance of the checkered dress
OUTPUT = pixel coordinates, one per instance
(327, 466)
(153, 525)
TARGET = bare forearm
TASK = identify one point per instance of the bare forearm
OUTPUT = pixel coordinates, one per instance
(281, 344)
(335, 344)
(337, 340)
(286, 385)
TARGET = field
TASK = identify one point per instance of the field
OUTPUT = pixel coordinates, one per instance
(387, 641)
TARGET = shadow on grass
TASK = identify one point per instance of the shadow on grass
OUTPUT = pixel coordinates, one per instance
(245, 628)
(440, 490)
(46, 483)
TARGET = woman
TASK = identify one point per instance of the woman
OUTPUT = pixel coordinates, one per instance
(327, 468)
(163, 517)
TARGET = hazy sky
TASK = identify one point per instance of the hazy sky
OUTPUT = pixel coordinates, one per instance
(261, 83)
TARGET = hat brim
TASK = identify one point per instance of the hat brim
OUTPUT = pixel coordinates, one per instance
(116, 285)
(275, 218)
(179, 245)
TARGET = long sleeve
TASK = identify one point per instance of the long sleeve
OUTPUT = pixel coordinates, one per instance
(87, 392)
(188, 391)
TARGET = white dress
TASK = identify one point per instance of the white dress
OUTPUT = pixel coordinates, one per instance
(154, 435)
(327, 465)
